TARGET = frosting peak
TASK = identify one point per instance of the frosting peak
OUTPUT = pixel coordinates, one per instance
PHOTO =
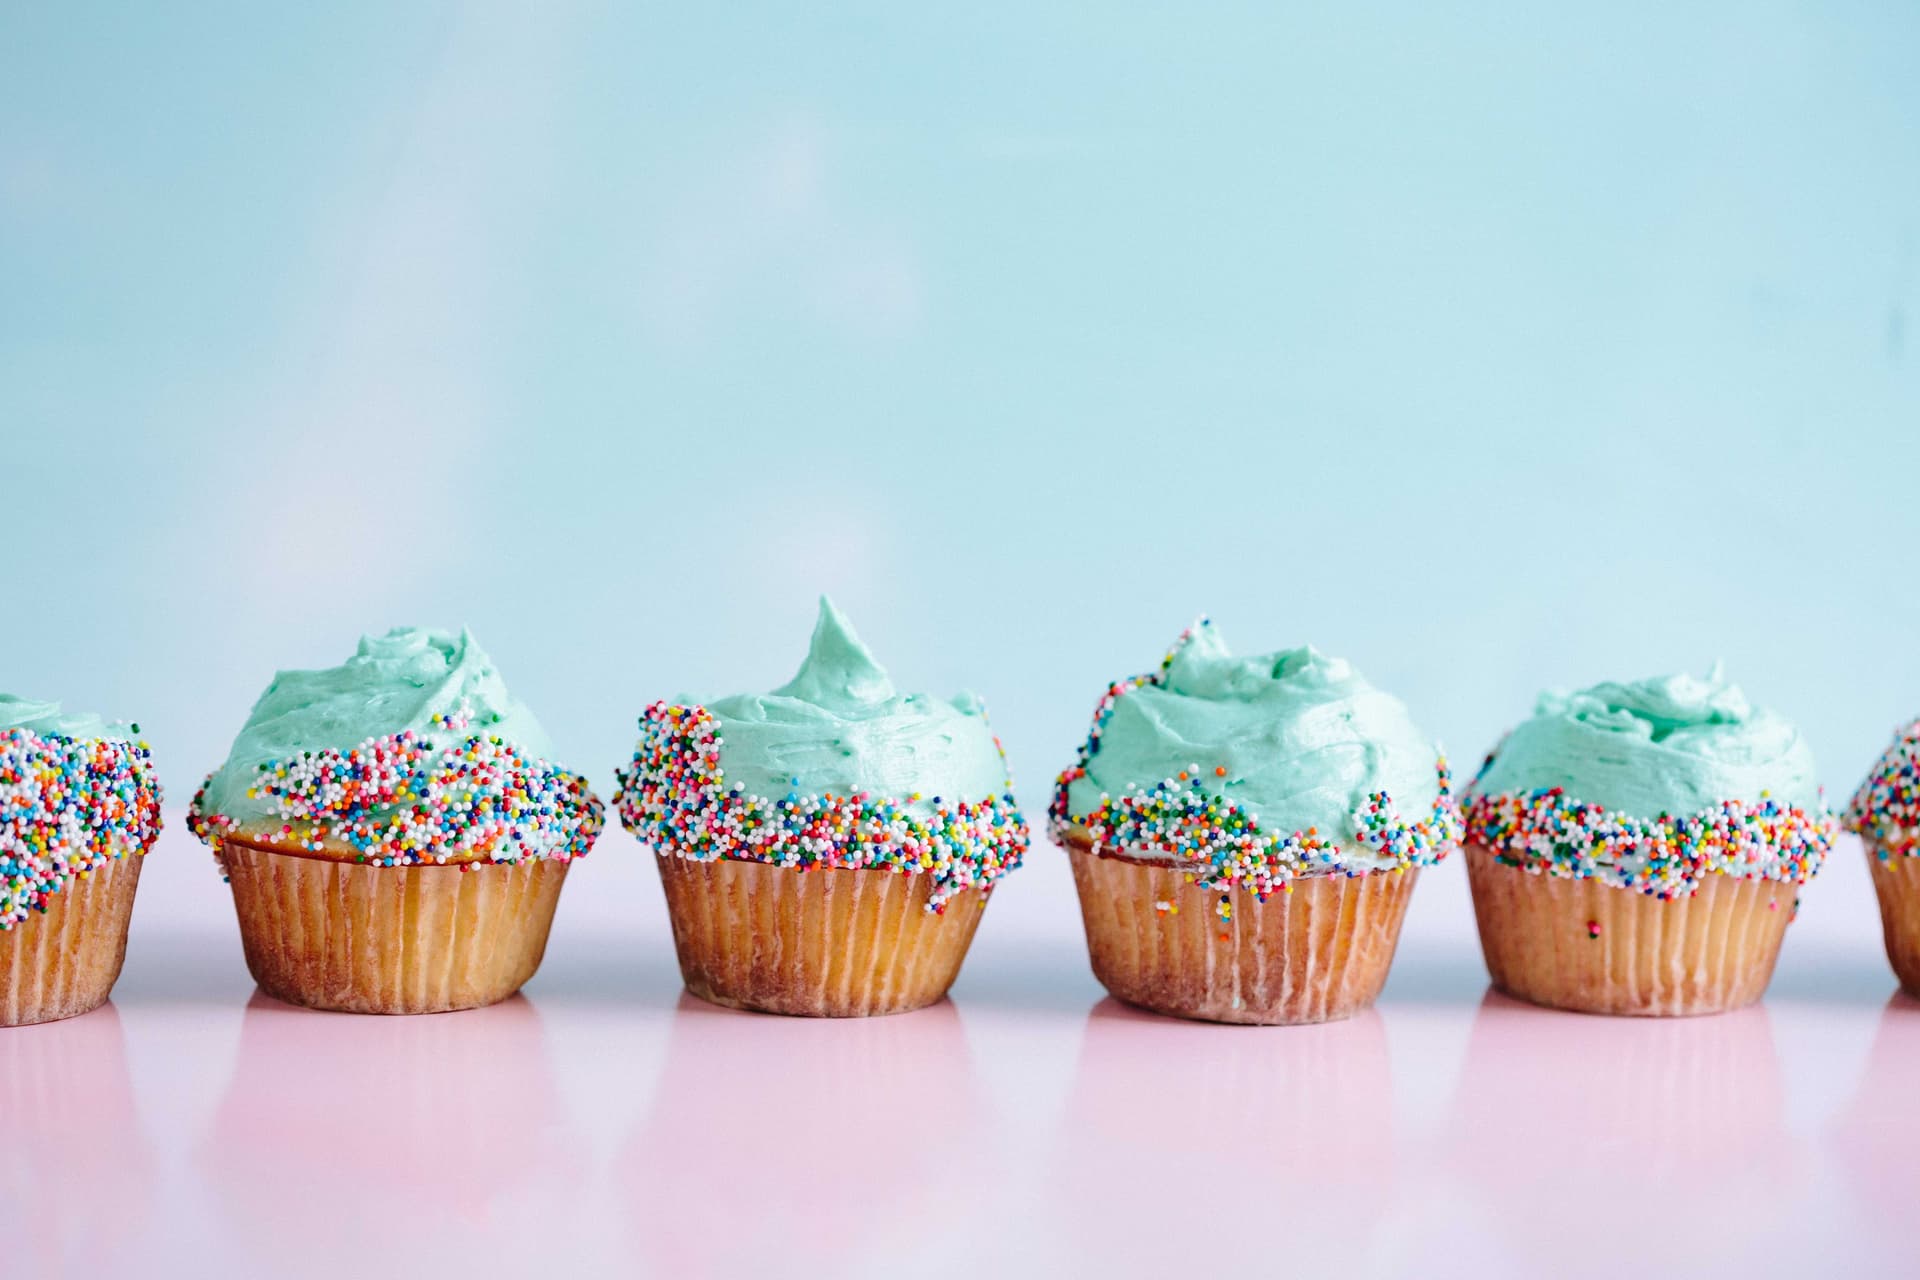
(1671, 745)
(839, 670)
(839, 726)
(1205, 668)
(1655, 709)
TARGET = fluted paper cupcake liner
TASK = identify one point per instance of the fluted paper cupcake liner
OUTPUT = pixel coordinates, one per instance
(1584, 945)
(1315, 954)
(366, 939)
(1896, 882)
(64, 962)
(834, 942)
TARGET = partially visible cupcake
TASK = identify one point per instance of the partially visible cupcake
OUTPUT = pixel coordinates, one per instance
(79, 808)
(827, 848)
(1885, 813)
(393, 831)
(1245, 833)
(1639, 848)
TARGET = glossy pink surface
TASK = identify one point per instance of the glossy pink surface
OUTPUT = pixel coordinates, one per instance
(604, 1123)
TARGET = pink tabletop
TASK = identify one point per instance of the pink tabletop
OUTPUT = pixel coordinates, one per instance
(605, 1123)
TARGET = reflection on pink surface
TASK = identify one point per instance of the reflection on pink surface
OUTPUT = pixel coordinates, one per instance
(1876, 1139)
(780, 1145)
(76, 1173)
(1178, 1128)
(427, 1134)
(1589, 1144)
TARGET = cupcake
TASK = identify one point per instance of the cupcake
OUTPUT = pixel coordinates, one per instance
(79, 808)
(1885, 813)
(394, 835)
(1638, 848)
(1245, 833)
(827, 848)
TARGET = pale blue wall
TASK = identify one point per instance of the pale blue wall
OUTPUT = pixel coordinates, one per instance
(1493, 350)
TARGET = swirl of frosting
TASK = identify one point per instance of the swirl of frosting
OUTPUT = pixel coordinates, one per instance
(1673, 745)
(411, 751)
(833, 769)
(839, 726)
(1294, 745)
(76, 792)
(49, 721)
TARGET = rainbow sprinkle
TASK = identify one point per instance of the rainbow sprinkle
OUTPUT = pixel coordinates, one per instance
(1219, 839)
(68, 806)
(1545, 831)
(1886, 809)
(1225, 847)
(675, 799)
(402, 801)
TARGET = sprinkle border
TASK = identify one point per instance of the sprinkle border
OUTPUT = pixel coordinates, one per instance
(68, 807)
(1885, 810)
(1546, 831)
(674, 799)
(402, 801)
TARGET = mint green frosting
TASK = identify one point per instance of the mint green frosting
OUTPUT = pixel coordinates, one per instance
(1670, 745)
(392, 684)
(48, 720)
(1303, 738)
(838, 726)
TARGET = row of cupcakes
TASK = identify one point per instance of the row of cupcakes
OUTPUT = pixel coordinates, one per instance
(1244, 832)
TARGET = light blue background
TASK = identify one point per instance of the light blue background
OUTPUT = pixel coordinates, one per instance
(1493, 349)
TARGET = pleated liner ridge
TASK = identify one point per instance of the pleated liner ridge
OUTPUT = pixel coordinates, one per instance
(1591, 947)
(366, 939)
(834, 942)
(1896, 882)
(64, 962)
(1316, 954)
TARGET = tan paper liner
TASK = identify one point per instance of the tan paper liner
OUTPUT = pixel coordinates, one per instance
(1706, 953)
(366, 939)
(64, 962)
(833, 942)
(1896, 882)
(1316, 954)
